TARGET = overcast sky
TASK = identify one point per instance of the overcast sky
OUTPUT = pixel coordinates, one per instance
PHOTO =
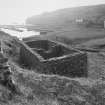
(12, 11)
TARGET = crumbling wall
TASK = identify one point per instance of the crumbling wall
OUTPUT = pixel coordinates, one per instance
(49, 49)
(68, 51)
(38, 44)
(71, 66)
(28, 57)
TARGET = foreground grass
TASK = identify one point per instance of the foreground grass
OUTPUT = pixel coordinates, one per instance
(40, 89)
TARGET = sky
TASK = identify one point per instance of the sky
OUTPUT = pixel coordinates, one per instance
(16, 11)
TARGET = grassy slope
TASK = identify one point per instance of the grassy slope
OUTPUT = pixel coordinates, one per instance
(40, 89)
(62, 22)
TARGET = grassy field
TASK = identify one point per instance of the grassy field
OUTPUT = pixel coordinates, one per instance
(62, 23)
(40, 89)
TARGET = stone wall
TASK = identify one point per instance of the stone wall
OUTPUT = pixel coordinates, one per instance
(72, 64)
(28, 57)
(38, 44)
(49, 49)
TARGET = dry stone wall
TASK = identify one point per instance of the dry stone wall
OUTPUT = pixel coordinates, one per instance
(38, 44)
(28, 57)
(70, 64)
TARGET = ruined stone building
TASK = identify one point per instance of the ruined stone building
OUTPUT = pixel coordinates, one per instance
(51, 57)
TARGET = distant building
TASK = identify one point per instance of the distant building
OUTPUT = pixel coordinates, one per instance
(79, 20)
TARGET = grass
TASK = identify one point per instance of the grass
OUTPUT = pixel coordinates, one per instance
(73, 35)
(41, 89)
(95, 43)
(58, 90)
(63, 23)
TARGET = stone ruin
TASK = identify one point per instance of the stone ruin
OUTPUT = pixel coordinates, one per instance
(51, 57)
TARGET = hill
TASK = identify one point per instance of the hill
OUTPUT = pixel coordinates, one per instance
(40, 89)
(78, 22)
(65, 16)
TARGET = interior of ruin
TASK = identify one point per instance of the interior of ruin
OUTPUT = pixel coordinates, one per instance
(48, 49)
